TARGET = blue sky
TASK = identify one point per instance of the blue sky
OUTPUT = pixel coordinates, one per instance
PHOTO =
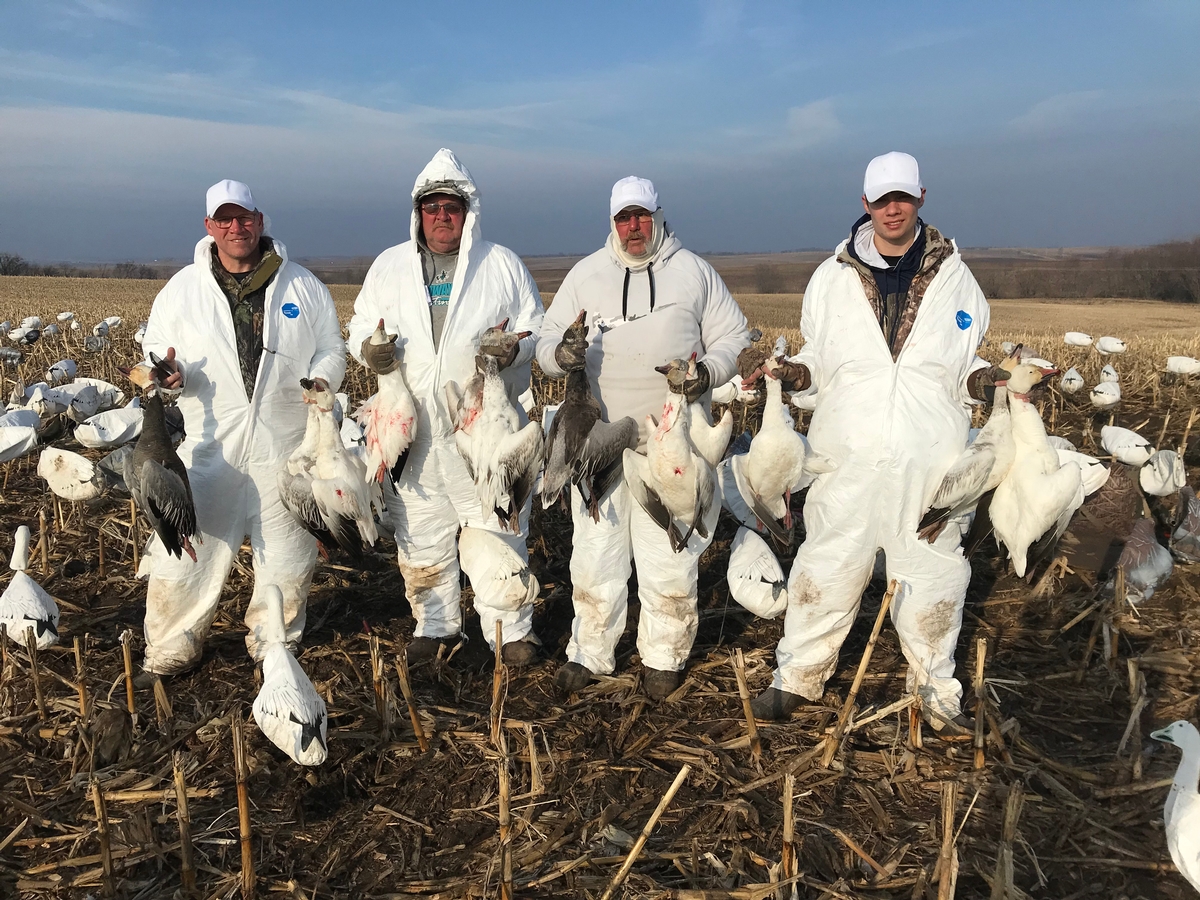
(1036, 124)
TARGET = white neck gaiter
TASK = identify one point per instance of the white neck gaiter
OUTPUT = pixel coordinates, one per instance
(657, 236)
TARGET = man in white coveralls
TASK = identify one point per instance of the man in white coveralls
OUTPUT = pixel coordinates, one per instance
(891, 325)
(648, 301)
(443, 292)
(240, 327)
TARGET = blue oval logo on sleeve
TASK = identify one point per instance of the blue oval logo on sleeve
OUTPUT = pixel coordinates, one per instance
(962, 317)
(291, 310)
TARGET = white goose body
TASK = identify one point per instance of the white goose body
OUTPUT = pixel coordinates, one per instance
(1108, 345)
(1039, 495)
(773, 466)
(340, 485)
(520, 585)
(511, 455)
(1077, 339)
(1181, 813)
(24, 604)
(1125, 445)
(288, 709)
(981, 466)
(673, 483)
(1106, 394)
(388, 419)
(69, 475)
(756, 580)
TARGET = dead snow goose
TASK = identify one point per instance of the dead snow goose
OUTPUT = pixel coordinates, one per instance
(581, 448)
(1125, 445)
(69, 475)
(1077, 339)
(288, 709)
(711, 440)
(1185, 539)
(1163, 474)
(1106, 395)
(388, 418)
(1181, 813)
(672, 483)
(756, 580)
(1183, 365)
(1072, 382)
(773, 466)
(24, 604)
(510, 468)
(157, 477)
(1038, 496)
(1108, 344)
(979, 469)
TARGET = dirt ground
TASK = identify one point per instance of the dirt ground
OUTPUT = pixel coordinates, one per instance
(383, 818)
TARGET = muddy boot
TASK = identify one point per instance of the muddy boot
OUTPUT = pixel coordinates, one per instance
(423, 649)
(572, 677)
(658, 684)
(949, 729)
(519, 653)
(145, 680)
(773, 704)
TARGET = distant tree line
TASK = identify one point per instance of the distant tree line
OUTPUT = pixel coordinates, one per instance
(12, 264)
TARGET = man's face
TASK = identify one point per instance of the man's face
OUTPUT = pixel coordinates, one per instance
(635, 228)
(442, 218)
(236, 230)
(894, 215)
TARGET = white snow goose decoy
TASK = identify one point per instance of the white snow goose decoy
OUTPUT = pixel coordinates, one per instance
(62, 371)
(157, 477)
(1163, 474)
(1124, 445)
(24, 604)
(388, 418)
(1182, 810)
(672, 483)
(1183, 365)
(1077, 339)
(324, 485)
(1072, 382)
(1108, 345)
(1106, 394)
(288, 709)
(581, 448)
(1039, 495)
(70, 476)
(1109, 374)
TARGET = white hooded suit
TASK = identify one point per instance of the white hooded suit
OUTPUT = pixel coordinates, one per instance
(234, 448)
(635, 327)
(434, 495)
(892, 428)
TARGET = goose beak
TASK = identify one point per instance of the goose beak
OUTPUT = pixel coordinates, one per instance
(579, 318)
(1047, 373)
(1163, 734)
(663, 370)
(307, 383)
(503, 325)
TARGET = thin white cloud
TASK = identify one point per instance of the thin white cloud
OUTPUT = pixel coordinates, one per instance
(810, 125)
(1059, 112)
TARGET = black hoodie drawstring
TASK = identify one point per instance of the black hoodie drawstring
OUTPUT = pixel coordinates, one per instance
(625, 290)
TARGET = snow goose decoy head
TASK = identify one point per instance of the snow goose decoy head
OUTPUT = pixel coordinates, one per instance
(1072, 382)
(1025, 377)
(24, 604)
(1109, 375)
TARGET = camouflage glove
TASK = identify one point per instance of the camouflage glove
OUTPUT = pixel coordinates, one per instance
(750, 361)
(981, 384)
(795, 376)
(571, 355)
(680, 380)
(380, 358)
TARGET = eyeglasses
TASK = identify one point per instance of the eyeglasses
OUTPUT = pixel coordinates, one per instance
(451, 209)
(624, 217)
(226, 222)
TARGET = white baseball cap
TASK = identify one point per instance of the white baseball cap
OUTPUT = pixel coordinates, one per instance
(892, 172)
(228, 192)
(633, 191)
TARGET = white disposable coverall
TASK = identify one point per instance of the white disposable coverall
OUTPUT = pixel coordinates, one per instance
(234, 448)
(893, 429)
(693, 311)
(435, 496)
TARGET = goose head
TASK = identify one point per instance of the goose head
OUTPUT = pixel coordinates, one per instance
(1011, 360)
(576, 332)
(380, 336)
(147, 375)
(678, 371)
(317, 392)
(1025, 377)
(1182, 734)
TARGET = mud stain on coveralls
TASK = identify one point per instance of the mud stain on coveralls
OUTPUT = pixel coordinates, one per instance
(805, 593)
(939, 619)
(420, 580)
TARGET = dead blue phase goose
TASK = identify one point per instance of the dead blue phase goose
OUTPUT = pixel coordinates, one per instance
(24, 604)
(581, 448)
(156, 476)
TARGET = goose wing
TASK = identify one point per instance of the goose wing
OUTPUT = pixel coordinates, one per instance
(339, 509)
(636, 469)
(962, 486)
(512, 472)
(600, 460)
(167, 501)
